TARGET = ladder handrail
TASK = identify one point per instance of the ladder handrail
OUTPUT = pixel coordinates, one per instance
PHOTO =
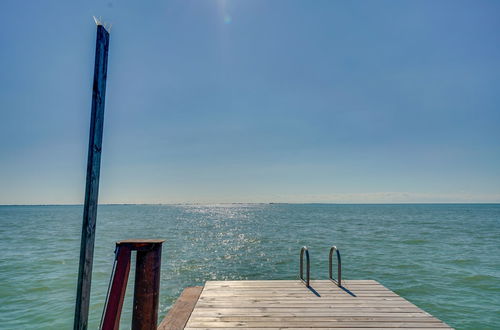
(308, 272)
(339, 266)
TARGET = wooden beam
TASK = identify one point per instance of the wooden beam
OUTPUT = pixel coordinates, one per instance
(92, 182)
(114, 303)
(147, 288)
(180, 312)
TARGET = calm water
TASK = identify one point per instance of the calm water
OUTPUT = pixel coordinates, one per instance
(443, 258)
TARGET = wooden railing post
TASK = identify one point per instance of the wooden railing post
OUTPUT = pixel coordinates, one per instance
(146, 287)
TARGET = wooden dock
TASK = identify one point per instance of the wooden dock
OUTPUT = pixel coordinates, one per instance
(358, 304)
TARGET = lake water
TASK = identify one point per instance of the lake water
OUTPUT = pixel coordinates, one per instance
(443, 258)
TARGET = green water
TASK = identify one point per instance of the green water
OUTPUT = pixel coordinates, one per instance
(443, 258)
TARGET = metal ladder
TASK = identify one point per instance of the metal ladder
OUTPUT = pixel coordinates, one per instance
(305, 251)
(308, 272)
(338, 281)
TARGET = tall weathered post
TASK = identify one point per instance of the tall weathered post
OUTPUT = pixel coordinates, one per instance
(92, 183)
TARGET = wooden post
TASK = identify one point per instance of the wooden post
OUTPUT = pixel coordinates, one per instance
(147, 288)
(92, 183)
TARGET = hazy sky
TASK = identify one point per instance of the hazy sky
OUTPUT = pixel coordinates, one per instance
(254, 101)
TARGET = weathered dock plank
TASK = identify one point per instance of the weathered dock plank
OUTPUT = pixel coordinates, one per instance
(291, 305)
(181, 311)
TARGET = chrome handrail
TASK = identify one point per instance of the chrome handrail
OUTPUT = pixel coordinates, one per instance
(308, 273)
(339, 266)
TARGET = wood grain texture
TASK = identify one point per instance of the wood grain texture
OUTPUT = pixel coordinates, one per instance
(291, 305)
(181, 311)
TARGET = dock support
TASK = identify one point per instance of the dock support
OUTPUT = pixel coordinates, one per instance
(146, 286)
(92, 182)
(114, 303)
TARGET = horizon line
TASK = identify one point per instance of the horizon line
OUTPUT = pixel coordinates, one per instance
(269, 203)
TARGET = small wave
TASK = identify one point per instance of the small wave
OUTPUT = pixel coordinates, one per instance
(406, 266)
(481, 277)
(415, 290)
(482, 282)
(462, 261)
(414, 241)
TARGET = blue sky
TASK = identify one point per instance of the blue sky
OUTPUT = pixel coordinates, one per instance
(254, 101)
